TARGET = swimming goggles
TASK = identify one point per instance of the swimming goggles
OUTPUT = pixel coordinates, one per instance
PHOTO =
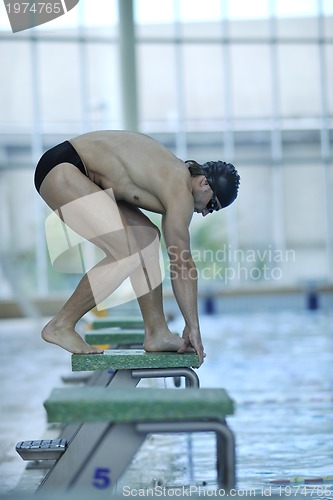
(213, 205)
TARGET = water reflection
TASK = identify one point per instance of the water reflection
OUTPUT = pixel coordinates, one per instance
(278, 369)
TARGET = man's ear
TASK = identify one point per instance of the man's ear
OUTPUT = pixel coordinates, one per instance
(203, 181)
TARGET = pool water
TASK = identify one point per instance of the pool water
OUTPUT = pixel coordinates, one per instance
(278, 368)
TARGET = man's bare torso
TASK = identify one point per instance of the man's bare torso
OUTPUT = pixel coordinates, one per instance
(140, 170)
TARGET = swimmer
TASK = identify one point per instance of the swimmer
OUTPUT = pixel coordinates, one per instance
(98, 184)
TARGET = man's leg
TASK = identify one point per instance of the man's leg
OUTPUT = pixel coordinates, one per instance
(145, 241)
(61, 329)
(92, 213)
(158, 337)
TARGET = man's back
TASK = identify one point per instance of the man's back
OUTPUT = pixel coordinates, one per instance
(140, 170)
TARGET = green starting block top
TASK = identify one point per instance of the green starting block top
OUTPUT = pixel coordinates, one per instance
(103, 404)
(119, 337)
(117, 322)
(130, 359)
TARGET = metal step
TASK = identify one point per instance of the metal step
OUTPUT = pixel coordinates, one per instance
(43, 449)
(76, 378)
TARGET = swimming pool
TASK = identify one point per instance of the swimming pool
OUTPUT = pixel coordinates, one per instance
(278, 367)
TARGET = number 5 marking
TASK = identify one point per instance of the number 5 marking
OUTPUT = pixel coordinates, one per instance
(102, 478)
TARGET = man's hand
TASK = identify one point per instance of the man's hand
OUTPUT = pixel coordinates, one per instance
(192, 339)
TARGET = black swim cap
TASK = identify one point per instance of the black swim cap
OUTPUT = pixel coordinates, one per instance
(223, 179)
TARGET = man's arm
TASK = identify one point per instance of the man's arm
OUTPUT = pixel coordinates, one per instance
(183, 272)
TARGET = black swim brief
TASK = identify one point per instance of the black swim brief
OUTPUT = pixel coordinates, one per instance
(63, 153)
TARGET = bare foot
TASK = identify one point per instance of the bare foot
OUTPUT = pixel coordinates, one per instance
(163, 341)
(68, 339)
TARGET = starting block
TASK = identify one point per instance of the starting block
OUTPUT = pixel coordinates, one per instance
(45, 449)
(106, 339)
(117, 338)
(120, 369)
(117, 369)
(133, 322)
(126, 367)
(116, 423)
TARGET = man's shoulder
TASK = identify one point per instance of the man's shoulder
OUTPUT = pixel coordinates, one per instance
(178, 198)
(175, 180)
